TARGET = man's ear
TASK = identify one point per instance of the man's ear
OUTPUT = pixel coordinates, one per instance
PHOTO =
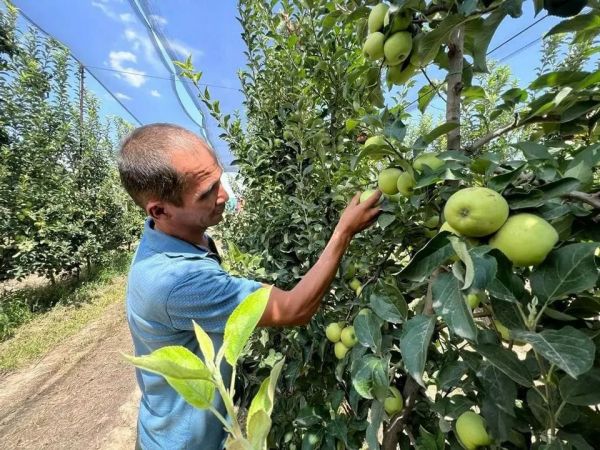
(158, 210)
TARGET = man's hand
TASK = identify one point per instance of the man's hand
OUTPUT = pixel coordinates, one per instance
(296, 307)
(359, 216)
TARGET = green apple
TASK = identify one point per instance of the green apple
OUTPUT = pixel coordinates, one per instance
(400, 21)
(333, 332)
(366, 194)
(395, 198)
(430, 233)
(427, 159)
(399, 75)
(377, 16)
(373, 47)
(394, 403)
(355, 284)
(476, 211)
(340, 350)
(348, 338)
(504, 332)
(470, 428)
(378, 139)
(397, 48)
(432, 221)
(473, 300)
(406, 182)
(525, 239)
(388, 180)
(364, 312)
(348, 270)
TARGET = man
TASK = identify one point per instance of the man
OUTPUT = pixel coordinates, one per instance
(176, 275)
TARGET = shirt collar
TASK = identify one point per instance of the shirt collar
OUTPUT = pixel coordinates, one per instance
(164, 243)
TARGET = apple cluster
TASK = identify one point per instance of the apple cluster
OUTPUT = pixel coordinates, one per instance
(390, 38)
(343, 338)
(479, 212)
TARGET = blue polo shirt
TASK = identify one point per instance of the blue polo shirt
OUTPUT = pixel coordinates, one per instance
(172, 282)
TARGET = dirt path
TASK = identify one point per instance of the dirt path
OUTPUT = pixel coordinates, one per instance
(79, 396)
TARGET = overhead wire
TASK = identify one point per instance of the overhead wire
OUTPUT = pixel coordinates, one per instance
(516, 52)
(35, 24)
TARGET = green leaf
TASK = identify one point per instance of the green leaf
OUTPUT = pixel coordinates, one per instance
(507, 362)
(242, 323)
(559, 78)
(197, 393)
(436, 252)
(590, 156)
(265, 397)
(237, 444)
(478, 35)
(173, 361)
(385, 220)
(568, 270)
(448, 301)
(394, 128)
(498, 388)
(583, 391)
(368, 330)
(533, 151)
(498, 422)
(259, 426)
(425, 95)
(507, 285)
(443, 129)
(568, 348)
(501, 182)
(206, 344)
(389, 304)
(369, 378)
(579, 23)
(427, 45)
(414, 342)
(451, 374)
(485, 267)
(376, 419)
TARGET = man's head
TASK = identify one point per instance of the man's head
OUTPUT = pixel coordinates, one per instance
(174, 176)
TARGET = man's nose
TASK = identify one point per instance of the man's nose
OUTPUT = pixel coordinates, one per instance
(223, 196)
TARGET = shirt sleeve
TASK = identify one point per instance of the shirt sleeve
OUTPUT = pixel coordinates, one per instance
(208, 297)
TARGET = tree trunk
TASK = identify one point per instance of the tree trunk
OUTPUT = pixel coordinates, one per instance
(455, 56)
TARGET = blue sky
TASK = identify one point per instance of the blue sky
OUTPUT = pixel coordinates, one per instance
(109, 38)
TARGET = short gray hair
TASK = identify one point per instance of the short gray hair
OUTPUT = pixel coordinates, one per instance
(145, 165)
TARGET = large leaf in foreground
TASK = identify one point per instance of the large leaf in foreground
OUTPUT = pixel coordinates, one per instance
(414, 342)
(568, 270)
(173, 361)
(449, 302)
(242, 323)
(568, 348)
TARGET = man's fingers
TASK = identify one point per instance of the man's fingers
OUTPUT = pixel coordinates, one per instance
(373, 199)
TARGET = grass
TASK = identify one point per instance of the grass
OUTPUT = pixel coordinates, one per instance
(35, 320)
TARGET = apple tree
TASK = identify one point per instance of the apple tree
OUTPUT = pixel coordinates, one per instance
(469, 315)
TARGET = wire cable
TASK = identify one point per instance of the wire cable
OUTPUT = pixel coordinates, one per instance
(32, 22)
(516, 52)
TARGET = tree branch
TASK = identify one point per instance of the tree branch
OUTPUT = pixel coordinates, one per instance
(437, 91)
(590, 199)
(503, 130)
(455, 85)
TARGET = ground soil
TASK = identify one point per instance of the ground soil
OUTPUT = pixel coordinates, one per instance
(81, 395)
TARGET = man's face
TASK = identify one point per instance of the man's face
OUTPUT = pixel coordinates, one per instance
(204, 199)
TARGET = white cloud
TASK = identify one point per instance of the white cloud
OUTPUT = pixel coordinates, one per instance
(159, 20)
(105, 9)
(142, 42)
(154, 93)
(183, 50)
(132, 76)
(126, 18)
(122, 96)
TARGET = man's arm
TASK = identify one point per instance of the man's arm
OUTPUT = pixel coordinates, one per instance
(297, 306)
